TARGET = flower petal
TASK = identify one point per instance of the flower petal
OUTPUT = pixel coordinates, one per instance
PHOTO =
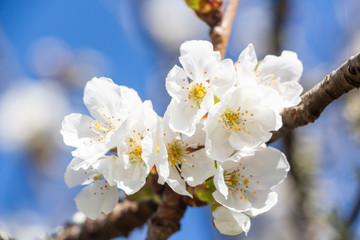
(248, 57)
(112, 99)
(177, 183)
(270, 202)
(176, 83)
(287, 66)
(130, 179)
(223, 78)
(183, 117)
(197, 168)
(96, 198)
(75, 129)
(78, 177)
(229, 222)
(198, 59)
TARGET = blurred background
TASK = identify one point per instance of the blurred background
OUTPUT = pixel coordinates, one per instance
(50, 49)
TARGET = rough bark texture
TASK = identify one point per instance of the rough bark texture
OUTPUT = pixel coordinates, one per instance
(313, 102)
(125, 217)
(166, 219)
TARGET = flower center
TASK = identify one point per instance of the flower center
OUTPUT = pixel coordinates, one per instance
(197, 93)
(176, 153)
(235, 119)
(236, 181)
(135, 151)
(231, 118)
(232, 181)
(101, 129)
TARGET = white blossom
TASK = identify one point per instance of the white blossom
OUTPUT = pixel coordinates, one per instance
(247, 183)
(186, 161)
(109, 105)
(240, 121)
(194, 88)
(136, 154)
(281, 74)
(98, 196)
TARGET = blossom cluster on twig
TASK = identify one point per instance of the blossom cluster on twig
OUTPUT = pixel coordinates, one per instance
(213, 133)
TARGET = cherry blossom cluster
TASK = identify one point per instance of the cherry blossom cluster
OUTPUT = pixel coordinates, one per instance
(213, 133)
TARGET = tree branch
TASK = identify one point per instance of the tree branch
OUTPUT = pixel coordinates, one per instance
(313, 102)
(125, 217)
(220, 33)
(166, 220)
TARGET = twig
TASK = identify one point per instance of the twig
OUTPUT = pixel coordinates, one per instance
(121, 221)
(220, 33)
(313, 102)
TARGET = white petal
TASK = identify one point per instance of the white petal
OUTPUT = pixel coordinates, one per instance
(287, 66)
(111, 98)
(248, 57)
(270, 202)
(89, 154)
(219, 181)
(176, 83)
(177, 183)
(96, 198)
(217, 143)
(229, 222)
(130, 179)
(268, 166)
(223, 78)
(197, 139)
(162, 164)
(197, 168)
(233, 201)
(75, 129)
(198, 59)
(78, 177)
(291, 91)
(183, 118)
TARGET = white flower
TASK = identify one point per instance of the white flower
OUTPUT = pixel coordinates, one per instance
(281, 74)
(138, 141)
(230, 222)
(240, 121)
(95, 198)
(194, 88)
(109, 105)
(183, 163)
(246, 184)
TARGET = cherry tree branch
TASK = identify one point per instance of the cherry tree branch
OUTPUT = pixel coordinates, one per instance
(125, 217)
(220, 33)
(166, 220)
(314, 101)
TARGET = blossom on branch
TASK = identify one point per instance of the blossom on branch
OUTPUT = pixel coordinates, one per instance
(211, 142)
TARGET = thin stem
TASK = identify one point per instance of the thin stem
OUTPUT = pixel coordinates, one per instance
(220, 33)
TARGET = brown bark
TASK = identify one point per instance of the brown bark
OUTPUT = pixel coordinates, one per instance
(125, 217)
(314, 101)
(166, 220)
(220, 33)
